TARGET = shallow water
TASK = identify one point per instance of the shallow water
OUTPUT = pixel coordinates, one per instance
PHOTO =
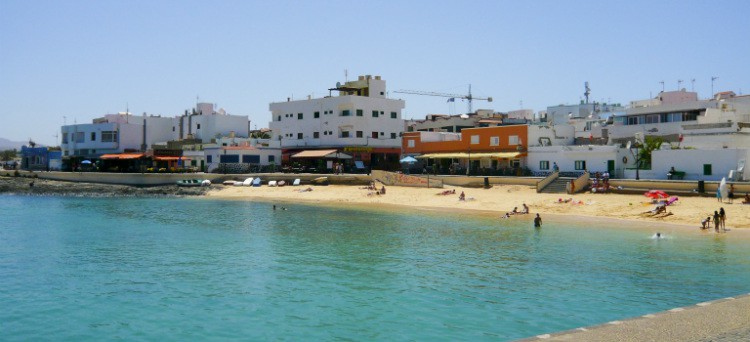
(186, 269)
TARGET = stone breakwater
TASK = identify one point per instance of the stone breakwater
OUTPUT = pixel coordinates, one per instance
(43, 187)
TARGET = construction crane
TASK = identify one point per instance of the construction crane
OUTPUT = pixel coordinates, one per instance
(468, 97)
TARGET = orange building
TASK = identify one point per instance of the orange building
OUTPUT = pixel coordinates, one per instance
(482, 150)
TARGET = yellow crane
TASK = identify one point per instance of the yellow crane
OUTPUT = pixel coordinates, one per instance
(468, 96)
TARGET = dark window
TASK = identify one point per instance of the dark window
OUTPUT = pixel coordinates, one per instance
(199, 126)
(345, 134)
(374, 113)
(394, 115)
(271, 158)
(707, 169)
(316, 115)
(279, 118)
(299, 116)
(172, 128)
(393, 135)
(228, 158)
(93, 136)
(359, 134)
(316, 135)
(299, 135)
(345, 113)
(251, 159)
(580, 165)
(544, 165)
(209, 159)
(359, 112)
(374, 135)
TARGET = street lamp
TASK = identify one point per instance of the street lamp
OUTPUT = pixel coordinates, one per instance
(637, 156)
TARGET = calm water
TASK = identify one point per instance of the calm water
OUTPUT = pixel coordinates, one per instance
(186, 269)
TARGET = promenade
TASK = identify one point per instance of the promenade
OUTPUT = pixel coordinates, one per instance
(726, 319)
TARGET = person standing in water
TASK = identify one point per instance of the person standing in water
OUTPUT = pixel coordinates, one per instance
(537, 221)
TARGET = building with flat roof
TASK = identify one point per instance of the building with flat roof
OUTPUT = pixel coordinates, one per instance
(360, 122)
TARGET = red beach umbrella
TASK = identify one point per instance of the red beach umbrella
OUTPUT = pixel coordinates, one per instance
(655, 194)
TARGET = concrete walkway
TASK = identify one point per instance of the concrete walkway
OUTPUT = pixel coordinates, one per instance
(722, 320)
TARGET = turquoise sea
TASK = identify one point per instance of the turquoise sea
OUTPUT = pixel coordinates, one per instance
(82, 269)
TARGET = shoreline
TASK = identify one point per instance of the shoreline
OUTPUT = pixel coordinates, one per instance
(620, 208)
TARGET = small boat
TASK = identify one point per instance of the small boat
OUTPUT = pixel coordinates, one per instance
(281, 183)
(189, 182)
(248, 182)
(257, 181)
(320, 181)
(271, 183)
(228, 182)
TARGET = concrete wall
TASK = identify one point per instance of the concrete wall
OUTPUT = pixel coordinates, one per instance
(152, 179)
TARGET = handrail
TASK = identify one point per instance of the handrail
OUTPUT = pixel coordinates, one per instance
(540, 185)
(580, 183)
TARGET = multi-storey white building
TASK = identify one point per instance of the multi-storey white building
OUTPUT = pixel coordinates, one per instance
(206, 123)
(360, 122)
(115, 133)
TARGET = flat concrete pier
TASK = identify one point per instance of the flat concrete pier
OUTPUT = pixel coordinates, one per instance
(725, 319)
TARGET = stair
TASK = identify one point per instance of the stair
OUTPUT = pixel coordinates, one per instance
(558, 186)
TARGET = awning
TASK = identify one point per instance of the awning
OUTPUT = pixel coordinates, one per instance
(321, 154)
(170, 158)
(121, 156)
(465, 155)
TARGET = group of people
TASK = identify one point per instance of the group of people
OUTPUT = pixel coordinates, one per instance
(600, 183)
(525, 210)
(719, 219)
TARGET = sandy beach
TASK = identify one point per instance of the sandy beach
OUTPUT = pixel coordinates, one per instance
(687, 211)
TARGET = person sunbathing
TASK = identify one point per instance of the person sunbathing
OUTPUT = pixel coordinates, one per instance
(462, 196)
(747, 199)
(657, 210)
(447, 192)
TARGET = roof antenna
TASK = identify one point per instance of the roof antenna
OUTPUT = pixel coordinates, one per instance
(346, 75)
(587, 92)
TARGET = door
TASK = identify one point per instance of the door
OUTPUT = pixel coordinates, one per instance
(611, 167)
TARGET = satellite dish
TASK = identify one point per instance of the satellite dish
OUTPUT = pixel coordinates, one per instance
(338, 84)
(627, 146)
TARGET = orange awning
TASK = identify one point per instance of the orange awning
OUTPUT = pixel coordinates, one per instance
(122, 156)
(313, 153)
(170, 158)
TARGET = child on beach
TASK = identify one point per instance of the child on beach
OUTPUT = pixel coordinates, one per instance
(462, 196)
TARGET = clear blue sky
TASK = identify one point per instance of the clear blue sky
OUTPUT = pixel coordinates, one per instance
(83, 59)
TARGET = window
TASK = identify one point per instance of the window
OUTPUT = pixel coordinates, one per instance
(394, 115)
(344, 134)
(359, 134)
(228, 158)
(172, 128)
(360, 112)
(633, 120)
(279, 118)
(65, 138)
(345, 112)
(381, 133)
(299, 135)
(494, 141)
(251, 159)
(299, 116)
(652, 119)
(109, 136)
(707, 169)
(78, 137)
(374, 135)
(393, 135)
(316, 115)
(93, 136)
(474, 139)
(209, 159)
(316, 135)
(198, 126)
(271, 159)
(374, 113)
(410, 143)
(544, 165)
(513, 140)
(580, 165)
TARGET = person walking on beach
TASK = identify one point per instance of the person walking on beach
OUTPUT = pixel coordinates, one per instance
(718, 194)
(723, 219)
(731, 193)
(538, 221)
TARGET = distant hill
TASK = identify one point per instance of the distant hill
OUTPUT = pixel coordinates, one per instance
(6, 144)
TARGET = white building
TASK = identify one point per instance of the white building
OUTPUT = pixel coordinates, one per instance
(360, 121)
(242, 158)
(115, 133)
(206, 123)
